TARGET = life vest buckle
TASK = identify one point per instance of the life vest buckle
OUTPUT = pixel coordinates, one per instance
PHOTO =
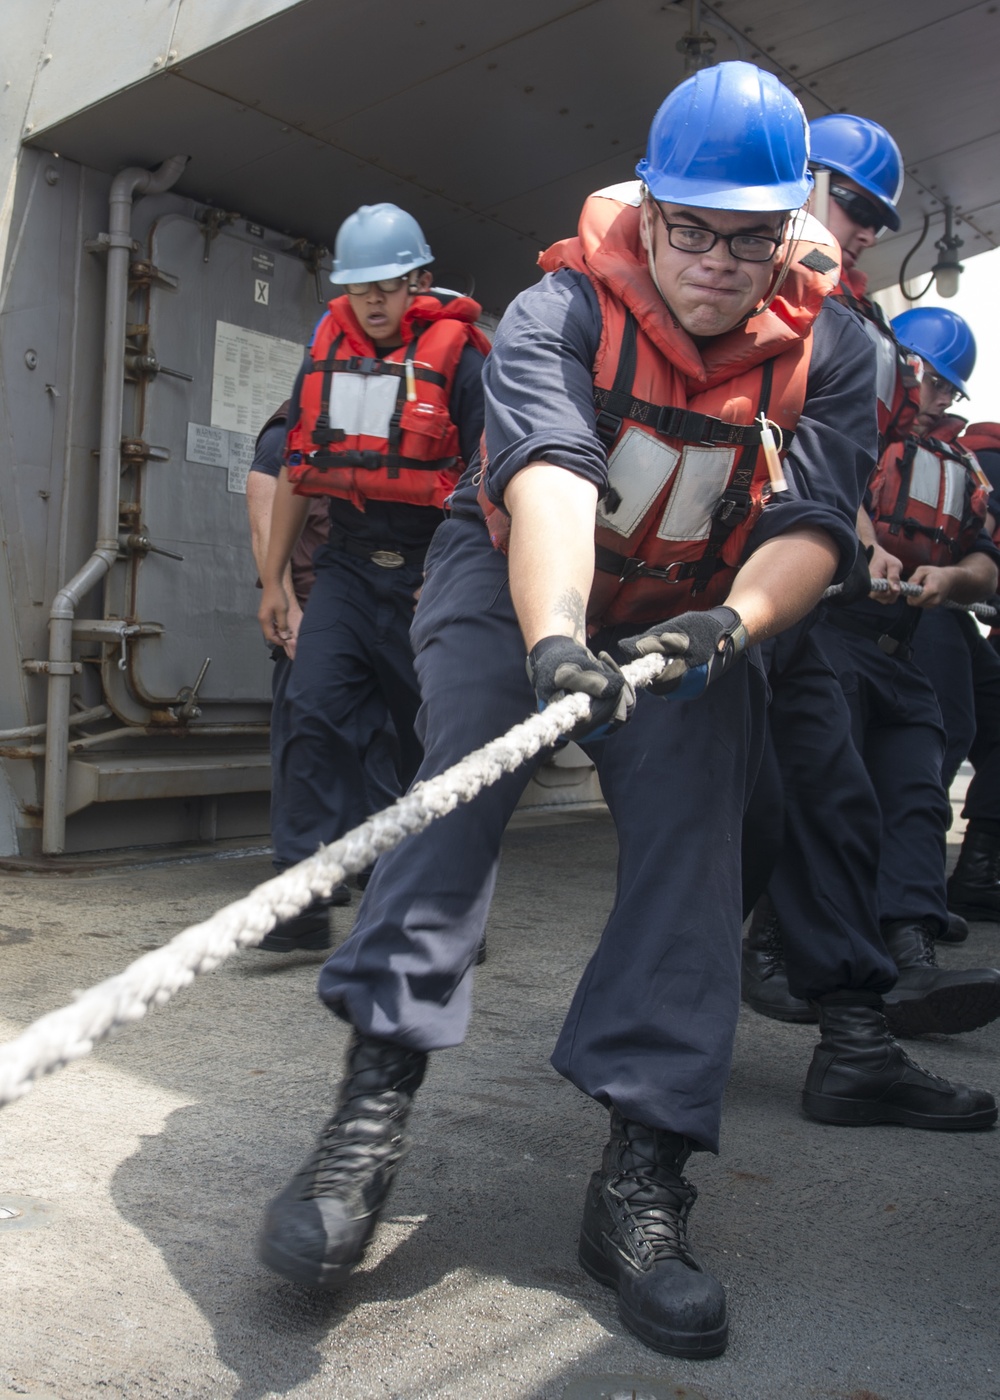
(634, 568)
(733, 506)
(608, 425)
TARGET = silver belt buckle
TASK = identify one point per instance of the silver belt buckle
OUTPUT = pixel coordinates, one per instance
(387, 559)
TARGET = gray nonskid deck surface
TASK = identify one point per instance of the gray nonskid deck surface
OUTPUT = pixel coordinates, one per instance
(860, 1264)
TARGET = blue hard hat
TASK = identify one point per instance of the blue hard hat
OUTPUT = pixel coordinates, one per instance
(729, 137)
(865, 152)
(941, 338)
(378, 240)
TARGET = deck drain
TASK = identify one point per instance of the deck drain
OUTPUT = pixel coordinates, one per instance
(628, 1388)
(23, 1213)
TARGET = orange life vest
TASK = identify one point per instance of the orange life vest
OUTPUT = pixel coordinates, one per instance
(897, 381)
(930, 497)
(981, 437)
(374, 429)
(687, 480)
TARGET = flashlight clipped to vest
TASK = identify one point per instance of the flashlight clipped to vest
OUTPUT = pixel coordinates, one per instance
(770, 450)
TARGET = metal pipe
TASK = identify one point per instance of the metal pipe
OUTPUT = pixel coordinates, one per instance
(160, 731)
(36, 731)
(133, 731)
(125, 186)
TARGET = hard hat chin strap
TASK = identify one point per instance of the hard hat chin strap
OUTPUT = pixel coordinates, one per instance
(783, 271)
(650, 239)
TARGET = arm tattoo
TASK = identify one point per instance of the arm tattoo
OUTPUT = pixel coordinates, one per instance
(571, 605)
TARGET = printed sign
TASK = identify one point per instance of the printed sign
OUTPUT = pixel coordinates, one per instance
(220, 447)
(241, 450)
(209, 446)
(252, 375)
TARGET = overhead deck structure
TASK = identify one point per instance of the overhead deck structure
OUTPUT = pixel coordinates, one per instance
(491, 123)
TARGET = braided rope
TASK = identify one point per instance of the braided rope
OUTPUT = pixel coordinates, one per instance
(985, 611)
(72, 1032)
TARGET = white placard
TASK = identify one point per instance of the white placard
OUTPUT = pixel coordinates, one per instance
(218, 447)
(241, 450)
(209, 446)
(252, 375)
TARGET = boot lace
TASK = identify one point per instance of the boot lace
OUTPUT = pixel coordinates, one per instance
(365, 1137)
(362, 1138)
(654, 1200)
(766, 938)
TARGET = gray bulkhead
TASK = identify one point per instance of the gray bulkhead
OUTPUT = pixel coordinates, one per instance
(159, 747)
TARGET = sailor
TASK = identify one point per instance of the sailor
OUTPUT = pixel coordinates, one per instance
(311, 928)
(948, 647)
(385, 412)
(814, 948)
(928, 505)
(815, 932)
(624, 392)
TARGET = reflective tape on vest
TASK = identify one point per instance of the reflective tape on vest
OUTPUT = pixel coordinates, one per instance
(933, 480)
(363, 404)
(886, 362)
(702, 477)
(641, 466)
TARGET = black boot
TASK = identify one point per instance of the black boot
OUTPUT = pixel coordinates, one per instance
(308, 930)
(764, 979)
(974, 884)
(927, 999)
(634, 1239)
(860, 1076)
(955, 931)
(319, 1227)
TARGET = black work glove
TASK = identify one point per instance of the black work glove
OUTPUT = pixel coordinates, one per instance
(858, 583)
(699, 647)
(558, 666)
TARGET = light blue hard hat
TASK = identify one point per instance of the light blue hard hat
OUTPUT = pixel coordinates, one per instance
(941, 338)
(729, 137)
(865, 152)
(376, 241)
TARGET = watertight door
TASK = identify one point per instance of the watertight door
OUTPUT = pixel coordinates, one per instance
(235, 324)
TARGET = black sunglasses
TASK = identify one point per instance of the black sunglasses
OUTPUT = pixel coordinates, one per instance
(859, 208)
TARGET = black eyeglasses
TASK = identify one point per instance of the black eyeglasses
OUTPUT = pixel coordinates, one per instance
(690, 238)
(384, 284)
(940, 385)
(859, 208)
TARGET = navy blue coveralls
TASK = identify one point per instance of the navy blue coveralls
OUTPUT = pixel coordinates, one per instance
(898, 731)
(378, 747)
(353, 660)
(823, 884)
(964, 669)
(651, 1025)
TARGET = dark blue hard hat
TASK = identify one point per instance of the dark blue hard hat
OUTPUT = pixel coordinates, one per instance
(865, 152)
(941, 338)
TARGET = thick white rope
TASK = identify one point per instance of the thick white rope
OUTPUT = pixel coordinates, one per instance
(72, 1032)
